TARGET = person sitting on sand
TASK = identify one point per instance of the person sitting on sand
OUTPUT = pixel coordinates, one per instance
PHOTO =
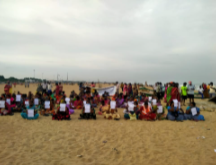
(47, 111)
(61, 115)
(86, 115)
(128, 108)
(174, 113)
(78, 103)
(160, 115)
(146, 113)
(134, 115)
(70, 106)
(19, 104)
(120, 101)
(193, 113)
(24, 114)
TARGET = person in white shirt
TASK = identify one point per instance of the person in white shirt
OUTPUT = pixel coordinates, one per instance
(49, 88)
(44, 86)
(200, 91)
(190, 92)
(212, 90)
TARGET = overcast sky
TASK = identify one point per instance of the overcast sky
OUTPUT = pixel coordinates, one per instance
(125, 40)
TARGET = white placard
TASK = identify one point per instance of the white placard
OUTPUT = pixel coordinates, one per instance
(8, 101)
(18, 98)
(131, 107)
(150, 105)
(87, 108)
(150, 98)
(175, 103)
(47, 104)
(2, 104)
(141, 104)
(30, 112)
(193, 111)
(113, 104)
(36, 101)
(62, 107)
(84, 102)
(154, 101)
(26, 103)
(160, 109)
(67, 100)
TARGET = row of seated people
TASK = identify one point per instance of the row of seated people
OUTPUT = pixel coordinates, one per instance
(142, 108)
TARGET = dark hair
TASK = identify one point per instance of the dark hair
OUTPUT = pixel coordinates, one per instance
(146, 103)
(194, 104)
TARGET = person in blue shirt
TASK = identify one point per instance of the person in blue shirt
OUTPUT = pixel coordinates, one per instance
(31, 105)
(174, 113)
(196, 117)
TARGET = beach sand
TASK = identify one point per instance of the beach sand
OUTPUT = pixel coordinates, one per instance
(45, 141)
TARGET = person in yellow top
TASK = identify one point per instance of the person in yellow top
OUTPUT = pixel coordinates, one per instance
(184, 92)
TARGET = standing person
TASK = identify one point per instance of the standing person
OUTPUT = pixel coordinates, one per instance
(130, 90)
(44, 86)
(125, 89)
(7, 88)
(212, 90)
(122, 86)
(60, 87)
(205, 91)
(80, 86)
(158, 91)
(191, 89)
(57, 89)
(200, 91)
(117, 87)
(184, 92)
(162, 90)
(49, 88)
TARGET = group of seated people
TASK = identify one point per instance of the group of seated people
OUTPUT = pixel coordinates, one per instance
(135, 107)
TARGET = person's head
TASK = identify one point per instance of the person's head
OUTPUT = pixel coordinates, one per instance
(60, 83)
(193, 104)
(211, 83)
(88, 100)
(171, 103)
(146, 104)
(56, 84)
(31, 102)
(184, 84)
(77, 98)
(190, 83)
(136, 103)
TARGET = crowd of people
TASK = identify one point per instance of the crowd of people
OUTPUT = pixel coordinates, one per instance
(136, 105)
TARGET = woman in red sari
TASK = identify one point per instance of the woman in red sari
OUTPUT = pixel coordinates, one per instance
(146, 113)
(175, 92)
(78, 104)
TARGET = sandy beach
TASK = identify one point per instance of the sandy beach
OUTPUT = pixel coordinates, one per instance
(105, 142)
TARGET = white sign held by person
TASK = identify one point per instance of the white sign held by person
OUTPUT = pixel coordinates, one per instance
(193, 111)
(130, 106)
(160, 109)
(30, 112)
(67, 100)
(150, 99)
(84, 103)
(87, 108)
(2, 104)
(47, 104)
(36, 101)
(18, 98)
(8, 101)
(154, 101)
(62, 107)
(26, 103)
(113, 104)
(175, 102)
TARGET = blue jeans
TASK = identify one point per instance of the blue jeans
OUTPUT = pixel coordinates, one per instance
(201, 94)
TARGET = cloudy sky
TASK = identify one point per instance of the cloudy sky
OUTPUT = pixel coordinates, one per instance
(125, 40)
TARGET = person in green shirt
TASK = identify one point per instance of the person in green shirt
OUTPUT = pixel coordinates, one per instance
(184, 92)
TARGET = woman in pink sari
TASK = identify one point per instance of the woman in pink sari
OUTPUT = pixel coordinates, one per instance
(125, 89)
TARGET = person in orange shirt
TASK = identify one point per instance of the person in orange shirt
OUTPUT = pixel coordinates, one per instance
(146, 113)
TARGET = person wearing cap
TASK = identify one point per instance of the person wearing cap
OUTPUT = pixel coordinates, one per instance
(190, 92)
